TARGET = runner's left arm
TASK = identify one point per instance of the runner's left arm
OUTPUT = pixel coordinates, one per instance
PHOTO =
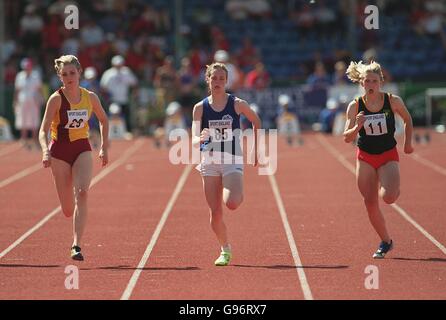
(398, 107)
(242, 107)
(103, 124)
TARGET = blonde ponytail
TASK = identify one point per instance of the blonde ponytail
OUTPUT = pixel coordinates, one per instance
(357, 71)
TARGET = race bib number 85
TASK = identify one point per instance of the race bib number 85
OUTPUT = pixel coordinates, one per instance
(375, 124)
(76, 119)
(220, 130)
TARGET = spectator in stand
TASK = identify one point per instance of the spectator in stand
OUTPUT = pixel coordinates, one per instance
(339, 76)
(247, 56)
(58, 7)
(136, 56)
(319, 79)
(258, 9)
(203, 19)
(117, 82)
(31, 26)
(417, 14)
(219, 41)
(325, 18)
(236, 9)
(9, 46)
(145, 22)
(71, 45)
(91, 34)
(242, 9)
(27, 102)
(121, 43)
(432, 24)
(328, 114)
(258, 78)
(10, 72)
(188, 89)
(52, 37)
(166, 82)
(304, 19)
(198, 58)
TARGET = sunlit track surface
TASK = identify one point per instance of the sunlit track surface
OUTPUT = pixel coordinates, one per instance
(325, 215)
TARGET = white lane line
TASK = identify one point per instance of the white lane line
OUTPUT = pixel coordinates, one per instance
(10, 149)
(95, 180)
(420, 228)
(29, 232)
(180, 184)
(397, 208)
(429, 164)
(21, 174)
(292, 243)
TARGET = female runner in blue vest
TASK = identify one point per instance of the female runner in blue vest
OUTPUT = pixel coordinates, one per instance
(377, 169)
(216, 127)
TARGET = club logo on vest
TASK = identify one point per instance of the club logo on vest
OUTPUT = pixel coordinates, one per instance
(227, 117)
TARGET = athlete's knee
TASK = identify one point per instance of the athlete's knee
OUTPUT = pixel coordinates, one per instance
(390, 197)
(67, 210)
(80, 193)
(234, 202)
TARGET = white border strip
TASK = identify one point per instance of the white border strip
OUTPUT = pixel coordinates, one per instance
(289, 234)
(397, 208)
(95, 180)
(180, 184)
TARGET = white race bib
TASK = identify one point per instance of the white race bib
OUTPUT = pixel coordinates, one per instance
(220, 130)
(76, 119)
(375, 124)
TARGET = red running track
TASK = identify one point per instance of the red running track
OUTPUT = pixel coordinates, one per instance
(322, 207)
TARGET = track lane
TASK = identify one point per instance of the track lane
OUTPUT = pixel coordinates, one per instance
(26, 201)
(326, 215)
(124, 208)
(422, 191)
(181, 265)
(337, 240)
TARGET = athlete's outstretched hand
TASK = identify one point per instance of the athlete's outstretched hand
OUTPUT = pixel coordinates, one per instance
(103, 155)
(46, 159)
(204, 135)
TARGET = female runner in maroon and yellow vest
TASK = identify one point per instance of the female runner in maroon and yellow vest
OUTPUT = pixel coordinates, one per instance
(69, 153)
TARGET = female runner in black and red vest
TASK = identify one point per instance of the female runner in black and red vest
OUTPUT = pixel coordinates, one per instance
(377, 168)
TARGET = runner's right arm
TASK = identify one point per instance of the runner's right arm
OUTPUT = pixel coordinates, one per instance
(51, 108)
(354, 122)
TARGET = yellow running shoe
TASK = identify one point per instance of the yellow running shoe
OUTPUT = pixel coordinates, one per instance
(223, 259)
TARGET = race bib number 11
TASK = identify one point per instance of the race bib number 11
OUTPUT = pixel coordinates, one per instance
(76, 119)
(375, 124)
